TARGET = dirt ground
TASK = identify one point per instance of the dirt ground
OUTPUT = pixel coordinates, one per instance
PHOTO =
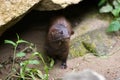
(33, 29)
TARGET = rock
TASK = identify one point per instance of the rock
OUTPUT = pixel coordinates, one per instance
(55, 4)
(84, 75)
(118, 79)
(91, 35)
(77, 49)
(47, 5)
(97, 42)
(12, 11)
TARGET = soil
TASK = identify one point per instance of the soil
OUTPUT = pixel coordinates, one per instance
(33, 28)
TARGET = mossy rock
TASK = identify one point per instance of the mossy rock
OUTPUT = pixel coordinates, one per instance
(91, 47)
(80, 48)
(97, 42)
(77, 49)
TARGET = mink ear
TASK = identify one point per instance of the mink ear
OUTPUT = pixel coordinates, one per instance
(72, 32)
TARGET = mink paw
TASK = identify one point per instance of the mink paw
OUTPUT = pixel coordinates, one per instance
(63, 66)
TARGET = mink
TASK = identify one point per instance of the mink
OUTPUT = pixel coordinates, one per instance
(58, 39)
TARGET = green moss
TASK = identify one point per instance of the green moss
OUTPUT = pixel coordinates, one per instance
(77, 49)
(91, 47)
(80, 47)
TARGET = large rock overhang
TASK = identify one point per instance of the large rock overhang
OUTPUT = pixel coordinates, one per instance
(11, 11)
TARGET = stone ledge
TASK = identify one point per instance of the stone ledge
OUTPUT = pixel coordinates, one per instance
(12, 10)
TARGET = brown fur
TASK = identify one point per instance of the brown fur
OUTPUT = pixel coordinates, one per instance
(58, 39)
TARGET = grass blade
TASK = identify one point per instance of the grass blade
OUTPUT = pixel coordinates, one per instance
(10, 42)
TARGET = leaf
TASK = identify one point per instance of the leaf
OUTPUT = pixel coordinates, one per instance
(24, 63)
(46, 76)
(17, 36)
(116, 4)
(10, 42)
(52, 63)
(118, 19)
(101, 2)
(34, 62)
(107, 8)
(21, 41)
(20, 54)
(32, 76)
(40, 75)
(118, 1)
(36, 53)
(46, 68)
(22, 74)
(41, 57)
(116, 12)
(114, 26)
(27, 69)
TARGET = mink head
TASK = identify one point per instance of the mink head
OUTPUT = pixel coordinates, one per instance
(59, 36)
(60, 33)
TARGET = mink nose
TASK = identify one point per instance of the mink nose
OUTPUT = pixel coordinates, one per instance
(66, 35)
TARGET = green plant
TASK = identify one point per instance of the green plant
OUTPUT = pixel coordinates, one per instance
(112, 7)
(15, 44)
(25, 72)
